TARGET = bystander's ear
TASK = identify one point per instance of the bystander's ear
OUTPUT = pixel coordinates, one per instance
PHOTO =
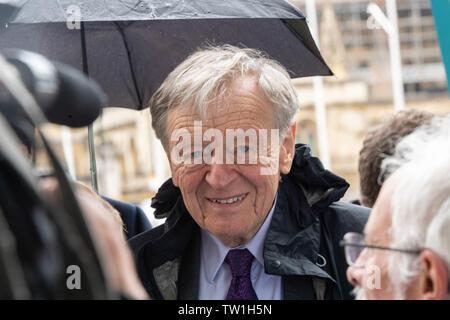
(287, 151)
(434, 278)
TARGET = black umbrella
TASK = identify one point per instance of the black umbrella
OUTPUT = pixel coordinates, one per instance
(130, 46)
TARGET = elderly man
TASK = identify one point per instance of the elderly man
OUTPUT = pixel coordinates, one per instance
(405, 250)
(249, 214)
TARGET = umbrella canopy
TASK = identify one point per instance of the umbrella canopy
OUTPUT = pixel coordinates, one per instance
(130, 46)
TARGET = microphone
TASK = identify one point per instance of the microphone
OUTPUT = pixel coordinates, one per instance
(65, 95)
(8, 11)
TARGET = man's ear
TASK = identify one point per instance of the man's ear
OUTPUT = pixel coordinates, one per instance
(287, 151)
(434, 278)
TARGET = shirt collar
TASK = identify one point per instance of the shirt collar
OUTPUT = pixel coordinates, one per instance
(213, 251)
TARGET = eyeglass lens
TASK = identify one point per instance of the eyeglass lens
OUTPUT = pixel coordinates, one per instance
(352, 252)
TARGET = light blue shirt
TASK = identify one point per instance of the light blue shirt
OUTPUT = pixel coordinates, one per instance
(215, 274)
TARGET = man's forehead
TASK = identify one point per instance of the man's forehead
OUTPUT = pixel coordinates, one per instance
(241, 108)
(216, 116)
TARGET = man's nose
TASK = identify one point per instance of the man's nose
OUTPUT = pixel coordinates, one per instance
(355, 275)
(220, 175)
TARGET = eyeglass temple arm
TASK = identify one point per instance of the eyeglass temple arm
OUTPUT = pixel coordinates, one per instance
(342, 243)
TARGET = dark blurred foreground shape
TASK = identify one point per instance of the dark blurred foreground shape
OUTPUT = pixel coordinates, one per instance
(59, 242)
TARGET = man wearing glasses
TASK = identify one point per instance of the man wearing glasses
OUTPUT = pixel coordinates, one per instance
(405, 250)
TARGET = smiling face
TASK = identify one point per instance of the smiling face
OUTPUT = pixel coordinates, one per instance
(231, 201)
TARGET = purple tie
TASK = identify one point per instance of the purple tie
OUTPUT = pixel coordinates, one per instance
(240, 262)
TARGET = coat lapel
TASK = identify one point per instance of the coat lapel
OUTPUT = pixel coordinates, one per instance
(188, 284)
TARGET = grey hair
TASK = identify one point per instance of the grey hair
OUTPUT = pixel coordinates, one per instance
(205, 77)
(421, 199)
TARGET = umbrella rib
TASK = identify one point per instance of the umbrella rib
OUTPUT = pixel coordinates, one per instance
(83, 50)
(133, 76)
(90, 126)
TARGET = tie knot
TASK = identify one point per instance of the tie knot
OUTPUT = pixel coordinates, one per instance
(240, 262)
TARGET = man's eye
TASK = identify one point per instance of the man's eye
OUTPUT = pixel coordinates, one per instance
(244, 149)
(196, 154)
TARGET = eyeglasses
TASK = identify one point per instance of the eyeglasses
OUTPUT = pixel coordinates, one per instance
(354, 244)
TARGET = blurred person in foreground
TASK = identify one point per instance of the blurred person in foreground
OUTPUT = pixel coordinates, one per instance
(380, 142)
(250, 215)
(132, 216)
(405, 250)
(106, 227)
(110, 222)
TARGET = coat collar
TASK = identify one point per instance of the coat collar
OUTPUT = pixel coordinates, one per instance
(292, 245)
